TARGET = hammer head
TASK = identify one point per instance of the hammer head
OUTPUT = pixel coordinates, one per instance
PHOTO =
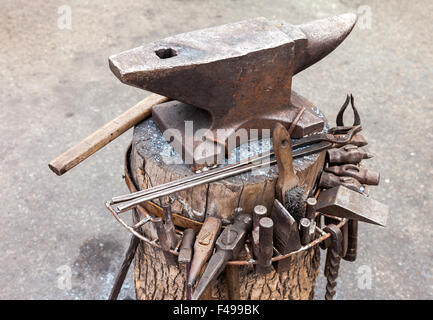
(239, 73)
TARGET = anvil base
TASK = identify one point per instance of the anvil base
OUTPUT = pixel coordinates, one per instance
(188, 129)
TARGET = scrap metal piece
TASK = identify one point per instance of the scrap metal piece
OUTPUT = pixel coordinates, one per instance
(232, 71)
(329, 180)
(264, 261)
(364, 176)
(228, 246)
(345, 203)
(347, 154)
(286, 235)
(203, 247)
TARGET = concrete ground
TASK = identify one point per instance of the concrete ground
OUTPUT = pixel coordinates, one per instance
(56, 88)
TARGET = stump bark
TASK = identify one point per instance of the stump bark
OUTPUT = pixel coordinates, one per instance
(155, 280)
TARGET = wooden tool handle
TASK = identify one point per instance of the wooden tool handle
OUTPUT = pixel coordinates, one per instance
(105, 134)
(282, 145)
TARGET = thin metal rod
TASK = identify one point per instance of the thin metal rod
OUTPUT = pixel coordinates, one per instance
(135, 233)
(190, 184)
(309, 140)
(196, 176)
(123, 271)
(232, 172)
(142, 222)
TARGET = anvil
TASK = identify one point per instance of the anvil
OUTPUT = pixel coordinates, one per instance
(231, 77)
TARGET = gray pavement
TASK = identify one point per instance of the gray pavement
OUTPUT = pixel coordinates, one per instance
(56, 88)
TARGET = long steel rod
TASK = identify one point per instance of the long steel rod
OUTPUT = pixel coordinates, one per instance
(305, 141)
(193, 183)
(130, 196)
(297, 144)
(196, 176)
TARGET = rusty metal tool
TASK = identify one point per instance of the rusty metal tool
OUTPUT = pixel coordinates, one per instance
(286, 235)
(310, 208)
(357, 140)
(123, 271)
(364, 176)
(337, 135)
(287, 188)
(169, 226)
(223, 76)
(228, 246)
(312, 231)
(185, 251)
(304, 231)
(356, 118)
(203, 247)
(329, 180)
(352, 245)
(164, 241)
(348, 154)
(259, 212)
(265, 252)
(345, 203)
(335, 252)
(185, 256)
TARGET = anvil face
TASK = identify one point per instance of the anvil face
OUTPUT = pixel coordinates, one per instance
(240, 73)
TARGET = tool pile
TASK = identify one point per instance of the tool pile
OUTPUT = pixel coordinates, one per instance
(293, 225)
(221, 78)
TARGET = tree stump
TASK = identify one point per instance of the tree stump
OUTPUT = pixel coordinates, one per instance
(155, 280)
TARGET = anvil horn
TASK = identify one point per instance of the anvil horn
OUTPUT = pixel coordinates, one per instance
(323, 36)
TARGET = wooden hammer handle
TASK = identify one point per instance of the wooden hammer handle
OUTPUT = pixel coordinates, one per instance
(105, 134)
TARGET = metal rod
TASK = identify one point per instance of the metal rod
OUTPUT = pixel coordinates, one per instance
(142, 222)
(196, 176)
(193, 183)
(309, 140)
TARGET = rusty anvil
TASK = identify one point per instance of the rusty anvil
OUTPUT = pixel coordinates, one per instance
(233, 76)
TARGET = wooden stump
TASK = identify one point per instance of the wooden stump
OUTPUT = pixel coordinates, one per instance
(155, 280)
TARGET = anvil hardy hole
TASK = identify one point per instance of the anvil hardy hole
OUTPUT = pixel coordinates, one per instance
(166, 53)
